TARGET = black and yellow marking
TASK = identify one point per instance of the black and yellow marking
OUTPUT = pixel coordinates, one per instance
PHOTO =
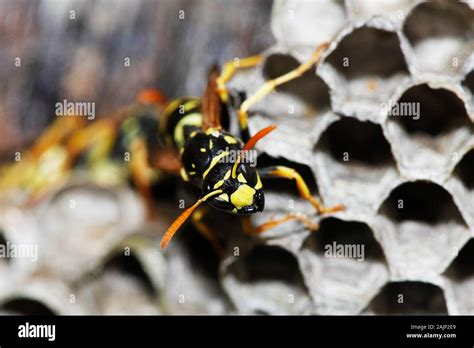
(179, 119)
(212, 158)
(205, 149)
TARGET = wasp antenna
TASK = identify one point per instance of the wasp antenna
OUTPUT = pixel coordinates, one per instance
(170, 232)
(259, 135)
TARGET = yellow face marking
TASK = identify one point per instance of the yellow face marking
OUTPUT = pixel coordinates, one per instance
(193, 165)
(202, 149)
(214, 161)
(230, 139)
(243, 196)
(259, 185)
(210, 144)
(241, 178)
(224, 197)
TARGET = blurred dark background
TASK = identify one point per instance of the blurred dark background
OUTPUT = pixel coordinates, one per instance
(78, 50)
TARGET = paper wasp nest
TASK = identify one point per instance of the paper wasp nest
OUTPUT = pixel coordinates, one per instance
(383, 126)
(386, 128)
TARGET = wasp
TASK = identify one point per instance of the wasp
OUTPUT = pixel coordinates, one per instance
(192, 126)
(101, 148)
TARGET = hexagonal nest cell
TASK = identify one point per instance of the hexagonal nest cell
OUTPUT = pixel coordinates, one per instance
(272, 290)
(356, 160)
(309, 88)
(120, 286)
(357, 143)
(299, 106)
(367, 52)
(307, 22)
(426, 126)
(420, 225)
(344, 265)
(439, 112)
(345, 233)
(25, 306)
(258, 266)
(129, 265)
(409, 298)
(364, 70)
(421, 201)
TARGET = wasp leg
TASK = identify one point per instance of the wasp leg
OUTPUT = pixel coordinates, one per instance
(270, 86)
(230, 68)
(291, 174)
(210, 234)
(142, 174)
(271, 223)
